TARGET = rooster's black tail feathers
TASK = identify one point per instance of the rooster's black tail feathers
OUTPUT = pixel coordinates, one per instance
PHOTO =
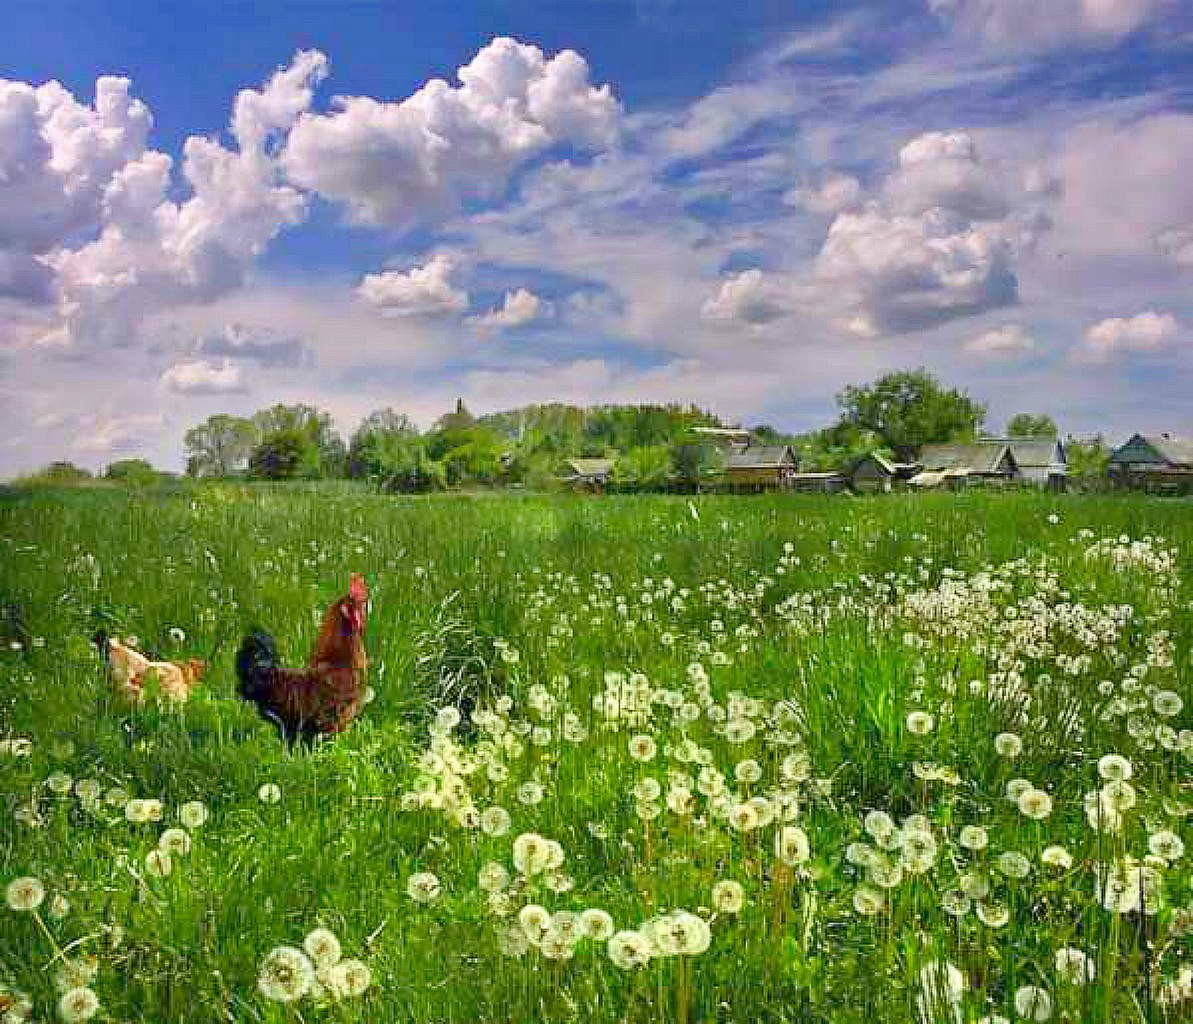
(257, 657)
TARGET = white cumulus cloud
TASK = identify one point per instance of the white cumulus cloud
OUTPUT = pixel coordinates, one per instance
(749, 297)
(833, 193)
(422, 291)
(1001, 342)
(519, 308)
(1116, 336)
(418, 158)
(204, 377)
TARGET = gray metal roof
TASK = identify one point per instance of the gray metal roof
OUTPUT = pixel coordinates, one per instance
(1177, 450)
(978, 457)
(762, 456)
(1032, 452)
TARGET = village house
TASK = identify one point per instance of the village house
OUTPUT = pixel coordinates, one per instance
(761, 467)
(587, 474)
(1154, 462)
(956, 465)
(875, 472)
(1041, 460)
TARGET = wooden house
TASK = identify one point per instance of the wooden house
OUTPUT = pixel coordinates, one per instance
(955, 465)
(761, 467)
(587, 474)
(875, 472)
(1154, 462)
(1041, 460)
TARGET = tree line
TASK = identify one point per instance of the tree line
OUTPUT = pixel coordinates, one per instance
(652, 446)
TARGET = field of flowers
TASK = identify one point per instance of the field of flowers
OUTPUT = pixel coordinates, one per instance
(911, 759)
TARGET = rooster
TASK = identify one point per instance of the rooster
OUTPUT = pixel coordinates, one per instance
(325, 696)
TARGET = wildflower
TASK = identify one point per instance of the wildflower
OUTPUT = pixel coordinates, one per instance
(879, 824)
(920, 723)
(423, 887)
(1007, 744)
(512, 941)
(647, 789)
(1057, 857)
(286, 975)
(269, 793)
(24, 894)
(1073, 966)
(728, 897)
(791, 845)
(495, 821)
(59, 907)
(1035, 803)
(1114, 768)
(78, 1004)
(76, 972)
(643, 748)
(1167, 704)
(596, 924)
(1166, 844)
(350, 978)
(1013, 864)
(493, 877)
(530, 793)
(955, 902)
(1016, 788)
(973, 837)
(629, 949)
(158, 864)
(59, 782)
(1033, 1003)
(176, 841)
(747, 772)
(193, 814)
(535, 921)
(532, 854)
(322, 947)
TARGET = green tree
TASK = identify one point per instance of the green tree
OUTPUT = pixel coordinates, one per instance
(910, 409)
(385, 444)
(331, 456)
(1087, 458)
(643, 468)
(133, 472)
(696, 464)
(58, 473)
(220, 446)
(286, 454)
(1026, 424)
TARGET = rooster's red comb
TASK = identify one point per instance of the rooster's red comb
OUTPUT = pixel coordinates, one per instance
(357, 590)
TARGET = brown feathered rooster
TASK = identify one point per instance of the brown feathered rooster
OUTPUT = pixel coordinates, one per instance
(327, 695)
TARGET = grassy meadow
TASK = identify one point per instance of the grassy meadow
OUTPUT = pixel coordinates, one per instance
(920, 758)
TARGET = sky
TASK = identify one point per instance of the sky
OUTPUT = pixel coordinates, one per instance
(216, 207)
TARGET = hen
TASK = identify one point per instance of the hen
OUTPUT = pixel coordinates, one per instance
(325, 696)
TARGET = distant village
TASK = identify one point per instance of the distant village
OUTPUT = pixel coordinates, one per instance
(1156, 463)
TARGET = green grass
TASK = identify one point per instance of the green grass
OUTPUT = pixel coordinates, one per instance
(497, 595)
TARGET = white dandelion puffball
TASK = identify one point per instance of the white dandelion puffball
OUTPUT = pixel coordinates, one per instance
(423, 887)
(322, 946)
(269, 793)
(193, 814)
(629, 949)
(158, 864)
(24, 894)
(920, 723)
(175, 842)
(351, 978)
(728, 897)
(78, 1004)
(1033, 1003)
(286, 975)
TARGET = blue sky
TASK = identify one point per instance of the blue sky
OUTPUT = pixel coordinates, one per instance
(218, 207)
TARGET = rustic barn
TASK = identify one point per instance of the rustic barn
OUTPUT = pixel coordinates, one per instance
(1158, 462)
(875, 472)
(954, 465)
(587, 474)
(760, 467)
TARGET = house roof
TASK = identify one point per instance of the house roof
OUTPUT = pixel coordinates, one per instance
(978, 457)
(590, 467)
(1032, 452)
(1177, 450)
(762, 456)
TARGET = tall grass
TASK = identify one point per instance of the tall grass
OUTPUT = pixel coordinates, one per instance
(801, 603)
